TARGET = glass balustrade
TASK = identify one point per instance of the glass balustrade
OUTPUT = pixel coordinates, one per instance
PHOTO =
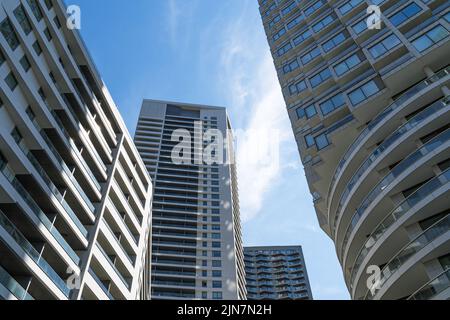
(389, 178)
(101, 284)
(401, 210)
(433, 288)
(13, 286)
(127, 285)
(428, 236)
(20, 189)
(33, 253)
(380, 118)
(413, 123)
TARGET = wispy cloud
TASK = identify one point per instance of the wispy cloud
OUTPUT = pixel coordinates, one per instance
(257, 107)
(180, 17)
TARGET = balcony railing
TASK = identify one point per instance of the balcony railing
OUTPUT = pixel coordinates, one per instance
(54, 190)
(412, 124)
(13, 286)
(428, 236)
(389, 178)
(433, 288)
(100, 283)
(127, 285)
(33, 253)
(20, 189)
(395, 215)
(380, 118)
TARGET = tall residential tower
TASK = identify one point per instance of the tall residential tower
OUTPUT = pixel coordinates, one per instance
(74, 193)
(370, 112)
(276, 273)
(197, 241)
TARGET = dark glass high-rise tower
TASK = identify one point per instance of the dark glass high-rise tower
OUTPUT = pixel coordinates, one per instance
(276, 273)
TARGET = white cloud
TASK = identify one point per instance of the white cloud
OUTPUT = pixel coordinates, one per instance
(256, 106)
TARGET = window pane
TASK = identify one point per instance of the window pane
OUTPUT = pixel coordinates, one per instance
(322, 141)
(437, 34)
(422, 43)
(370, 89)
(356, 97)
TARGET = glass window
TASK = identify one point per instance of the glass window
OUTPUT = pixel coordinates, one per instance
(349, 6)
(322, 141)
(274, 21)
(35, 8)
(217, 284)
(48, 4)
(310, 111)
(48, 35)
(217, 264)
(404, 14)
(309, 11)
(11, 81)
(294, 22)
(9, 34)
(217, 295)
(360, 26)
(332, 104)
(289, 8)
(285, 48)
(320, 77)
(347, 64)
(384, 46)
(217, 273)
(25, 63)
(302, 37)
(300, 113)
(291, 66)
(2, 58)
(37, 48)
(309, 141)
(310, 55)
(280, 33)
(22, 18)
(363, 92)
(323, 23)
(333, 42)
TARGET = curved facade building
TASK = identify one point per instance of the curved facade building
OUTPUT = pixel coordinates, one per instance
(370, 112)
(75, 196)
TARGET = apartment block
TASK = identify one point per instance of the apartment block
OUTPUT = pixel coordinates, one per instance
(369, 108)
(75, 196)
(197, 248)
(276, 273)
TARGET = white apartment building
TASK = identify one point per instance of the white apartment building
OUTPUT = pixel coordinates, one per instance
(75, 196)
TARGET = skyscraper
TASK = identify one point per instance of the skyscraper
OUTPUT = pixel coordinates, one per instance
(276, 273)
(197, 242)
(75, 196)
(369, 109)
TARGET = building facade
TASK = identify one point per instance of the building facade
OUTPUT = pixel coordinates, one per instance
(75, 197)
(276, 273)
(197, 241)
(369, 109)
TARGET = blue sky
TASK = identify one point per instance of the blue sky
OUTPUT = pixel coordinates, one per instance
(215, 52)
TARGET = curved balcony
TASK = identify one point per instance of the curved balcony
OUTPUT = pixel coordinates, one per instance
(384, 185)
(413, 203)
(433, 288)
(375, 125)
(403, 133)
(425, 239)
